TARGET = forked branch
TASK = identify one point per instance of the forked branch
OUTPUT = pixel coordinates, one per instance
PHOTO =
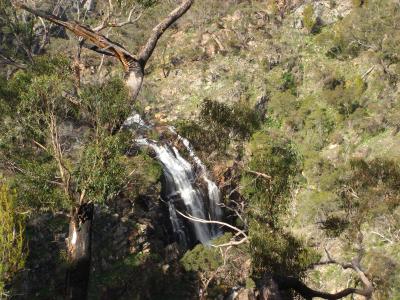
(106, 46)
(148, 48)
(308, 293)
(101, 43)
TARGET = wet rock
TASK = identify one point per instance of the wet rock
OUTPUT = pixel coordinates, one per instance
(171, 252)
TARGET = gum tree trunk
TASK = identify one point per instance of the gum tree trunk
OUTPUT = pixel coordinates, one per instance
(79, 245)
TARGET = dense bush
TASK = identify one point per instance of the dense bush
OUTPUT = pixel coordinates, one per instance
(45, 106)
(273, 250)
(346, 98)
(240, 119)
(219, 124)
(309, 20)
(362, 30)
(275, 156)
(12, 248)
(105, 106)
(277, 252)
(368, 190)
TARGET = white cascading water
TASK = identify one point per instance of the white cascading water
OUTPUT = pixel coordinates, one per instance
(212, 189)
(180, 177)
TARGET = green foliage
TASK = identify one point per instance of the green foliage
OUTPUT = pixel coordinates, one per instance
(334, 226)
(147, 173)
(202, 259)
(275, 156)
(277, 252)
(282, 103)
(289, 83)
(39, 109)
(239, 118)
(219, 124)
(147, 3)
(309, 20)
(12, 254)
(272, 248)
(101, 171)
(362, 30)
(203, 138)
(368, 190)
(37, 187)
(33, 101)
(105, 106)
(383, 269)
(346, 98)
(129, 3)
(16, 34)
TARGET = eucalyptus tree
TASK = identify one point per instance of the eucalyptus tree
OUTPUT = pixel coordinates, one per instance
(47, 97)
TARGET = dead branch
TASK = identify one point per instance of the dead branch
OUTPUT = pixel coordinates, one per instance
(266, 176)
(148, 49)
(309, 293)
(45, 39)
(58, 155)
(232, 243)
(107, 24)
(133, 65)
(195, 219)
(100, 41)
(286, 283)
(383, 237)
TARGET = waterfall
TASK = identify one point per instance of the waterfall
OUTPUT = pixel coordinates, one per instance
(212, 189)
(177, 226)
(180, 185)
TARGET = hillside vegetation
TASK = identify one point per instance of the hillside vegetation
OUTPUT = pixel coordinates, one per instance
(294, 108)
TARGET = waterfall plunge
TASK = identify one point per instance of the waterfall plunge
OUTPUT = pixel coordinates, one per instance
(180, 185)
(180, 178)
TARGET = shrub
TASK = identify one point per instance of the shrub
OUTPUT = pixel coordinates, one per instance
(12, 254)
(367, 190)
(367, 28)
(219, 124)
(346, 98)
(239, 118)
(274, 155)
(278, 253)
(309, 20)
(107, 105)
(289, 83)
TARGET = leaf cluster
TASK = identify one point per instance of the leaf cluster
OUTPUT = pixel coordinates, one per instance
(12, 254)
(275, 156)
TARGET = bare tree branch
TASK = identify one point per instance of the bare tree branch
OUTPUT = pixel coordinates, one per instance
(309, 293)
(99, 40)
(195, 219)
(266, 176)
(148, 49)
(107, 24)
(64, 172)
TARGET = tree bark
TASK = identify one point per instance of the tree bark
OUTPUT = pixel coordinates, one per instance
(79, 252)
(286, 283)
(79, 240)
(133, 65)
